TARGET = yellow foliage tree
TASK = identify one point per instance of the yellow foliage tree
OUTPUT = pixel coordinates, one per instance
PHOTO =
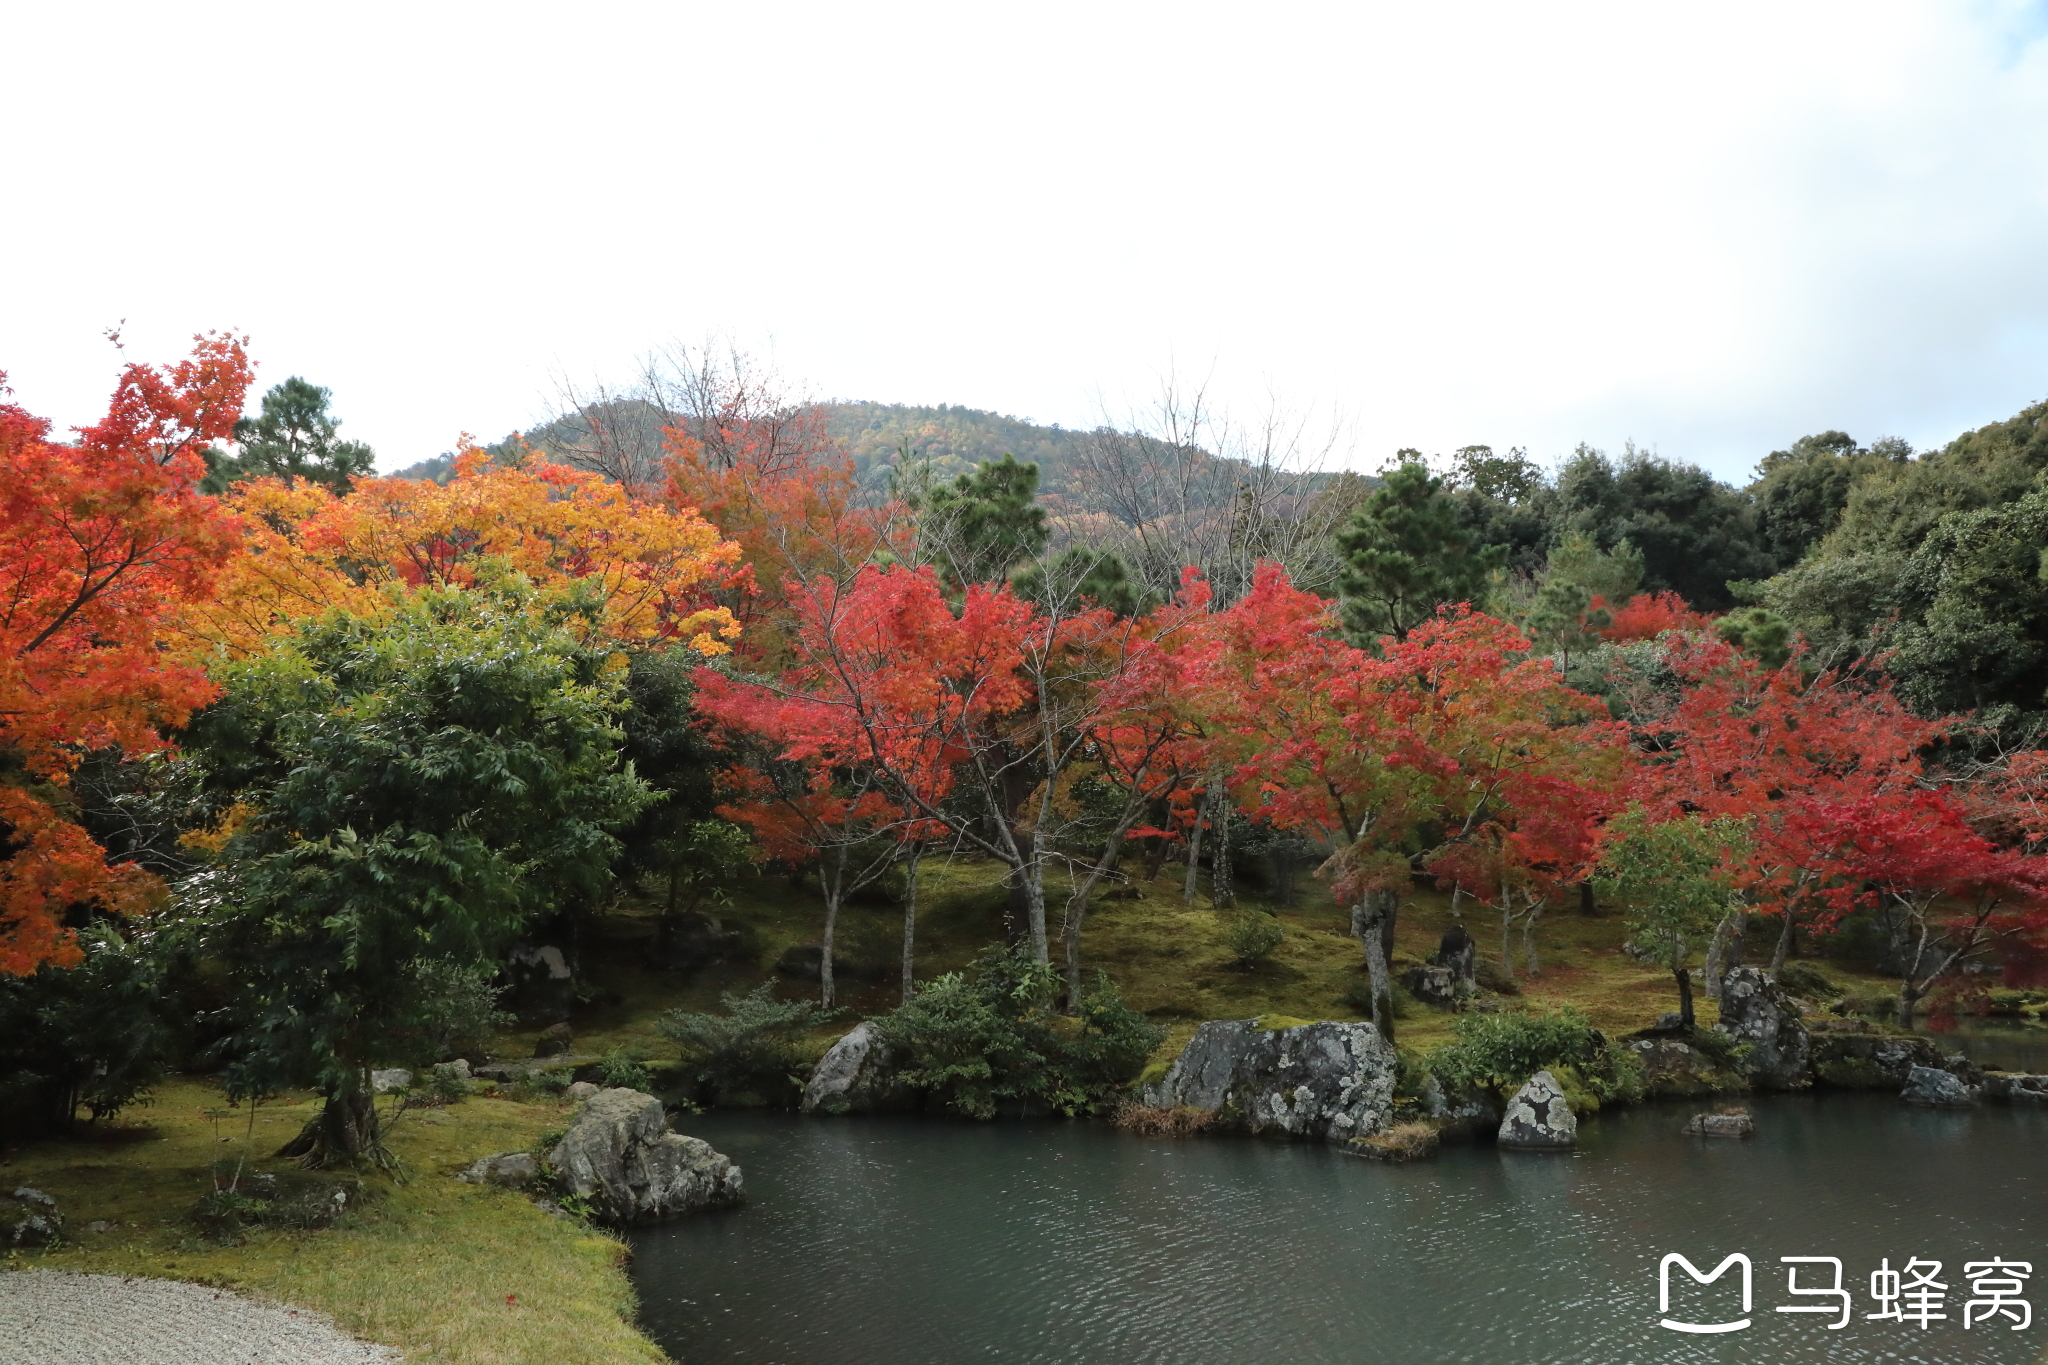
(648, 571)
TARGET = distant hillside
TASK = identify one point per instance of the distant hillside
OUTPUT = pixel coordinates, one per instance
(877, 436)
(953, 439)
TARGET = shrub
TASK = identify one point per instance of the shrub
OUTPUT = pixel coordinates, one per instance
(978, 1038)
(748, 1050)
(621, 1072)
(94, 1036)
(1503, 1050)
(1253, 937)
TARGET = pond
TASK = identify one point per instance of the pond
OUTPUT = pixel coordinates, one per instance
(904, 1241)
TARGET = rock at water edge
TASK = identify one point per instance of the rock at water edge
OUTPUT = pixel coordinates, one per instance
(621, 1158)
(1538, 1119)
(2015, 1087)
(857, 1075)
(1326, 1082)
(1937, 1089)
(1756, 1012)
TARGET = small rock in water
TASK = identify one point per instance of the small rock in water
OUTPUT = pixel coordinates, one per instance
(1538, 1119)
(1727, 1123)
(1937, 1089)
(555, 1040)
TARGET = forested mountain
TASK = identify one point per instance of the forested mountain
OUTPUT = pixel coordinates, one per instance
(878, 437)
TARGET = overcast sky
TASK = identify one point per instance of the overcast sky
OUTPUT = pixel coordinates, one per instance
(1708, 229)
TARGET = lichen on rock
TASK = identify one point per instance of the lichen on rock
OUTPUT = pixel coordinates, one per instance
(1322, 1082)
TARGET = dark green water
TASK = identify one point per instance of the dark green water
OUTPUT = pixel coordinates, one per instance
(904, 1241)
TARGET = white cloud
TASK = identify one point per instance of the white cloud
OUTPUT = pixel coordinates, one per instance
(1706, 229)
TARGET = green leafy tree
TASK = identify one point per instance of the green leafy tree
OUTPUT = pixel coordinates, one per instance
(417, 789)
(1800, 493)
(1695, 533)
(294, 438)
(1674, 879)
(1407, 554)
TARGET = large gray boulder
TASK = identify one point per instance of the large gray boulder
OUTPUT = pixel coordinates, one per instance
(621, 1158)
(1937, 1089)
(1672, 1066)
(1313, 1082)
(1755, 1011)
(858, 1075)
(2015, 1087)
(1538, 1119)
(1854, 1056)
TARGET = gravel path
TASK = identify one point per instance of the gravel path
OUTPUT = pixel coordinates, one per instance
(52, 1318)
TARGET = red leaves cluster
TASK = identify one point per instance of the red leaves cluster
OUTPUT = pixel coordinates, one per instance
(1647, 616)
(101, 541)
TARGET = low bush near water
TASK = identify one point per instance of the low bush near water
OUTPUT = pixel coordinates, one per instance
(1503, 1050)
(748, 1050)
(989, 1036)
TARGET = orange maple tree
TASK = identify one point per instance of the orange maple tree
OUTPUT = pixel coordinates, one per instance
(101, 541)
(645, 571)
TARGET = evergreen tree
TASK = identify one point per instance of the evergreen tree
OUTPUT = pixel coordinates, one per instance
(986, 523)
(293, 439)
(1407, 554)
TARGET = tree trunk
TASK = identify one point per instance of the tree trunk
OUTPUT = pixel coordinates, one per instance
(1034, 900)
(1784, 948)
(1507, 920)
(1909, 1001)
(833, 882)
(1587, 905)
(1281, 853)
(1529, 939)
(1371, 920)
(1222, 887)
(1187, 892)
(343, 1133)
(910, 919)
(1685, 1016)
(1717, 957)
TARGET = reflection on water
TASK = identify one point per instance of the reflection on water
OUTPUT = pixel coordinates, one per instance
(903, 1241)
(1999, 1047)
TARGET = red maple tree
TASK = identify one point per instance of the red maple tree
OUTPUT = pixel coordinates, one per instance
(101, 540)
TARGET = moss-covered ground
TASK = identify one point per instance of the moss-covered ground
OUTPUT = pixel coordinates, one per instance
(448, 1271)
